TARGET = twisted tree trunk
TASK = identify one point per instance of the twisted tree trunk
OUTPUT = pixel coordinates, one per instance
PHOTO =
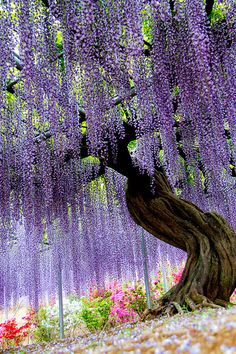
(209, 277)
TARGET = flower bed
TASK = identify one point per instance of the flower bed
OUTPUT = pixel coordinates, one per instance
(99, 310)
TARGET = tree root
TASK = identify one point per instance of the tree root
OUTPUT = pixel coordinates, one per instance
(167, 310)
(192, 302)
(224, 303)
(200, 301)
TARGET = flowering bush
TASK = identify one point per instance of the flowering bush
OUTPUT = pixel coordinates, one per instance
(117, 303)
(121, 310)
(95, 312)
(157, 287)
(47, 319)
(95, 293)
(136, 297)
(13, 335)
(233, 297)
(126, 302)
(177, 276)
(101, 308)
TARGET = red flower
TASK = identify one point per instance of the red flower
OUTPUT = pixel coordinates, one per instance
(11, 334)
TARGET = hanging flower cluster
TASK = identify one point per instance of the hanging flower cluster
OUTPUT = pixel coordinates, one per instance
(95, 247)
(75, 78)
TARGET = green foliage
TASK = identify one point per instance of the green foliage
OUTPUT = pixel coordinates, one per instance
(83, 127)
(175, 91)
(59, 45)
(138, 300)
(95, 313)
(178, 191)
(161, 156)
(190, 174)
(43, 332)
(147, 25)
(218, 12)
(91, 159)
(185, 308)
(97, 188)
(59, 40)
(10, 97)
(47, 320)
(202, 179)
(132, 145)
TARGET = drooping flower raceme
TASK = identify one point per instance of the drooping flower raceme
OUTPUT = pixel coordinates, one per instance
(73, 76)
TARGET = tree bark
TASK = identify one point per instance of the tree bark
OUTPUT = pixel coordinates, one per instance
(209, 277)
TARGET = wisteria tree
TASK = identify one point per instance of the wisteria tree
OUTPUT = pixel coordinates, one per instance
(144, 87)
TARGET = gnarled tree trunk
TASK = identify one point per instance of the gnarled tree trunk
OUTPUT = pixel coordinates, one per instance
(209, 277)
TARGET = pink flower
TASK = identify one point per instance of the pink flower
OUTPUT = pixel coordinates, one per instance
(177, 276)
(120, 314)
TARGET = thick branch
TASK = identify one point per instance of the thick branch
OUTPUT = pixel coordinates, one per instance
(10, 86)
(19, 65)
(121, 163)
(171, 2)
(209, 6)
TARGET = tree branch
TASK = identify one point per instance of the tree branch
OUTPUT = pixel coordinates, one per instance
(19, 65)
(10, 86)
(209, 6)
(18, 61)
(45, 3)
(171, 2)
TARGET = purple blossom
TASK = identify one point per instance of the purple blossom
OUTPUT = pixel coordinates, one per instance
(87, 71)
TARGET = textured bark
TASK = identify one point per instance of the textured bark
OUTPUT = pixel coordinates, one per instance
(209, 277)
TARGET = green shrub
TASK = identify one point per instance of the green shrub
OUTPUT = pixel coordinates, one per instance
(95, 313)
(137, 298)
(43, 331)
(47, 320)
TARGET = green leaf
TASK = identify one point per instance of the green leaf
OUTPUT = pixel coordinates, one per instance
(132, 145)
